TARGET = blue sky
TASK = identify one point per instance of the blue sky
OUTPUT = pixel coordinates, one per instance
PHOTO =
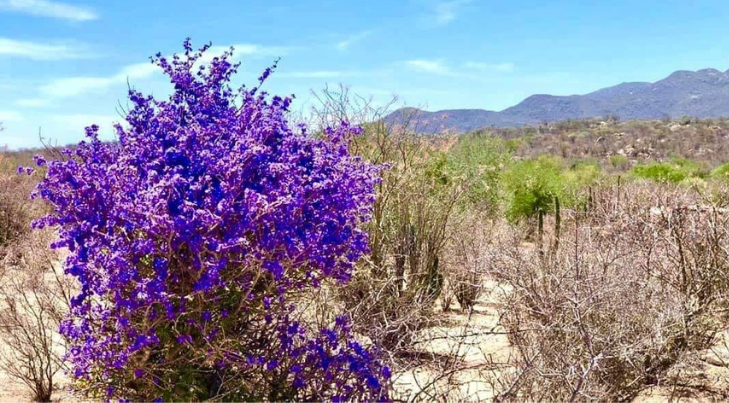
(65, 64)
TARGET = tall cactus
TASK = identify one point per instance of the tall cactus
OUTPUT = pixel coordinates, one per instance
(540, 228)
(433, 281)
(588, 204)
(557, 223)
(413, 251)
(618, 198)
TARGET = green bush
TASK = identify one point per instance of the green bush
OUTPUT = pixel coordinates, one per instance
(531, 186)
(619, 161)
(660, 172)
(479, 159)
(675, 171)
(577, 179)
(721, 172)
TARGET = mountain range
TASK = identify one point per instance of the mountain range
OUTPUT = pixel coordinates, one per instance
(702, 94)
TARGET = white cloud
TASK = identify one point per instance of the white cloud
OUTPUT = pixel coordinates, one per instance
(501, 67)
(80, 121)
(246, 49)
(313, 74)
(32, 102)
(429, 66)
(76, 123)
(352, 39)
(47, 8)
(10, 116)
(69, 87)
(447, 11)
(468, 70)
(73, 86)
(137, 71)
(42, 51)
(249, 49)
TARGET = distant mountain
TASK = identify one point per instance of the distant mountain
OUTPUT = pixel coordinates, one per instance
(702, 94)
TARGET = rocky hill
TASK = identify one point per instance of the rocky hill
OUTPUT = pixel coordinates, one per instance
(702, 94)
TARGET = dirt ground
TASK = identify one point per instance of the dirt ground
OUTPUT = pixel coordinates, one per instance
(12, 390)
(699, 377)
(480, 343)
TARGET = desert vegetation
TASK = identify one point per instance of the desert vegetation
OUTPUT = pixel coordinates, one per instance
(217, 250)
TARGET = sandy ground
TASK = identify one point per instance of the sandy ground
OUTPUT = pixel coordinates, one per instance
(477, 340)
(12, 390)
(480, 342)
(699, 377)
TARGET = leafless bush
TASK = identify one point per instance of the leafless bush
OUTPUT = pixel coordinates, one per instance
(33, 292)
(466, 260)
(392, 294)
(15, 210)
(34, 298)
(633, 286)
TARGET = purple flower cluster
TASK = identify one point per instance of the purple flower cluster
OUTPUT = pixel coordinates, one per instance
(190, 235)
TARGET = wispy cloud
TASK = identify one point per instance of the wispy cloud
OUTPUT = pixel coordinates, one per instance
(42, 51)
(446, 11)
(352, 39)
(32, 102)
(319, 74)
(47, 8)
(469, 70)
(247, 49)
(485, 67)
(429, 66)
(76, 122)
(10, 116)
(73, 86)
(311, 74)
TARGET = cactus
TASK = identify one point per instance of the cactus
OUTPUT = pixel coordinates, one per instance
(467, 291)
(618, 198)
(540, 228)
(557, 223)
(588, 204)
(433, 281)
(413, 251)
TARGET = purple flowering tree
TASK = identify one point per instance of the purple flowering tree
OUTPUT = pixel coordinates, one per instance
(192, 237)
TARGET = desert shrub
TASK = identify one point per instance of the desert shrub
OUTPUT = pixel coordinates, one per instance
(577, 178)
(194, 234)
(34, 298)
(16, 212)
(619, 161)
(660, 172)
(696, 169)
(464, 258)
(635, 286)
(721, 172)
(408, 233)
(480, 158)
(531, 186)
(392, 296)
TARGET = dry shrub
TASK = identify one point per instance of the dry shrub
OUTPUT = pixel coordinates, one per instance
(391, 297)
(33, 291)
(636, 283)
(16, 211)
(34, 298)
(466, 259)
